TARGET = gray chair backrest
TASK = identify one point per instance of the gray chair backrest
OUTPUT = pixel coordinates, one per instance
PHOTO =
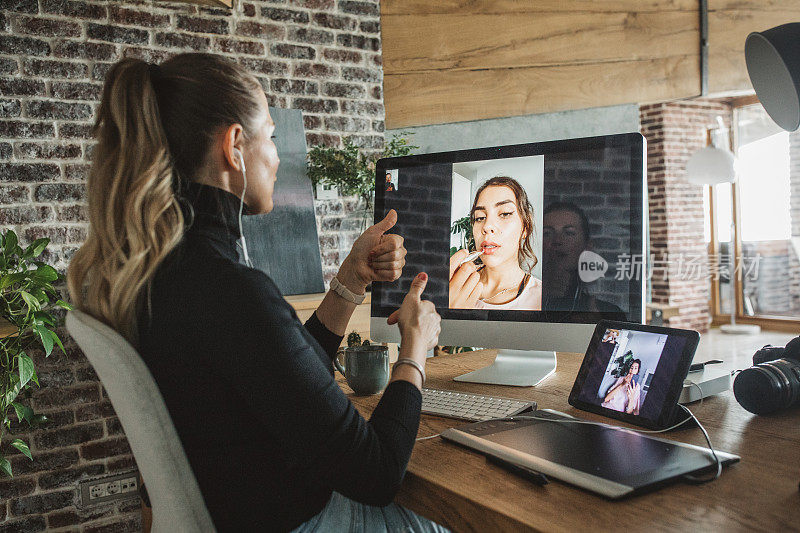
(173, 490)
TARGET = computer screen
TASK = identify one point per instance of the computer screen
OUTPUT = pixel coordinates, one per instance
(552, 232)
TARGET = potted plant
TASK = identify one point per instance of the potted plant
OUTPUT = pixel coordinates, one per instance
(27, 297)
(352, 172)
(349, 169)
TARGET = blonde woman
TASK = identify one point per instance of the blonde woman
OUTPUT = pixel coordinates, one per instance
(271, 438)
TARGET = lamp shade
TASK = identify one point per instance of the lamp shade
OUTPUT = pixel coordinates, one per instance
(773, 63)
(711, 166)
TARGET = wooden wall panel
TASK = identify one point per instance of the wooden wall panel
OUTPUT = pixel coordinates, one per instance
(461, 41)
(460, 95)
(729, 24)
(455, 60)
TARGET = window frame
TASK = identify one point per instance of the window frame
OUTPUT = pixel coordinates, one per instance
(718, 318)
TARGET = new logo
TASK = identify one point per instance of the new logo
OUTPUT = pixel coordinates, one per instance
(591, 266)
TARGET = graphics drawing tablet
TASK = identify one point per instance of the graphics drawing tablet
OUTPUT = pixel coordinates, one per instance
(612, 462)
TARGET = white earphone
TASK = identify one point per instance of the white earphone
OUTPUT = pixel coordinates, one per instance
(243, 243)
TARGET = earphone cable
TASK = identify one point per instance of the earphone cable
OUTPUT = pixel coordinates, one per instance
(241, 207)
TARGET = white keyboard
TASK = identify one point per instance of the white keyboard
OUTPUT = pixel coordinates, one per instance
(472, 407)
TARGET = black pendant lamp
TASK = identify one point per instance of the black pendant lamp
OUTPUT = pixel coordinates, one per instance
(773, 63)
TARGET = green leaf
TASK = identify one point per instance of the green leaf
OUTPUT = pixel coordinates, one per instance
(33, 303)
(58, 341)
(45, 273)
(10, 279)
(10, 242)
(23, 412)
(47, 339)
(21, 446)
(43, 317)
(26, 369)
(13, 392)
(63, 304)
(40, 296)
(5, 466)
(35, 248)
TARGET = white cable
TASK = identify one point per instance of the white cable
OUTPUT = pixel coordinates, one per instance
(569, 421)
(695, 479)
(241, 206)
(589, 422)
(692, 383)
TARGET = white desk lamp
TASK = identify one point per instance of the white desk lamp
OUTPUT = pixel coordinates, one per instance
(713, 165)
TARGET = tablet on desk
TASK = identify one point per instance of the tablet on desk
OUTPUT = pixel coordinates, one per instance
(635, 373)
(612, 462)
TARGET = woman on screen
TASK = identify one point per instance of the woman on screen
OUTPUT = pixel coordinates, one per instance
(502, 227)
(275, 444)
(624, 394)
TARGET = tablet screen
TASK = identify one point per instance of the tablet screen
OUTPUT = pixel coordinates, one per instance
(632, 372)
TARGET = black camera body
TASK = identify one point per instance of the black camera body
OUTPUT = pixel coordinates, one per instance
(773, 382)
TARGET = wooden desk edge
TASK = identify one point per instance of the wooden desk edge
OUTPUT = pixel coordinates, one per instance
(312, 301)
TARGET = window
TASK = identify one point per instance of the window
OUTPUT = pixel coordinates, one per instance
(766, 224)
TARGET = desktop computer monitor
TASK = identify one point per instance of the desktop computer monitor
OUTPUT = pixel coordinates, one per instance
(560, 228)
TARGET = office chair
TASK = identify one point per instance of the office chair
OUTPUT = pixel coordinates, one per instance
(173, 490)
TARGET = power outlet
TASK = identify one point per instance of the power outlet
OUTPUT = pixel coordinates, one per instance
(117, 486)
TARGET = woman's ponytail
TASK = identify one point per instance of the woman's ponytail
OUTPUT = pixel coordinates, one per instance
(134, 216)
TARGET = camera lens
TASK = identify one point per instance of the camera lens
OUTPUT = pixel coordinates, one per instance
(768, 387)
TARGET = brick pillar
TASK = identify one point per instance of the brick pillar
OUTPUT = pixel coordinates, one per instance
(674, 131)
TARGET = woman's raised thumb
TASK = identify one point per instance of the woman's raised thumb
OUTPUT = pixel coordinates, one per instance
(418, 285)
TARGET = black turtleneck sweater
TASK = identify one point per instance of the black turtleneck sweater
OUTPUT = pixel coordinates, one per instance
(268, 432)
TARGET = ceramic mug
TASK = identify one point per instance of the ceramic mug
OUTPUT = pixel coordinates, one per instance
(366, 368)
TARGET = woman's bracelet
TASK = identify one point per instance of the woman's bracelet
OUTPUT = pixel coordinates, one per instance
(339, 288)
(407, 361)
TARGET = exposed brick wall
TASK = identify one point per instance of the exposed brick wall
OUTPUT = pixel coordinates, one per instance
(320, 56)
(674, 131)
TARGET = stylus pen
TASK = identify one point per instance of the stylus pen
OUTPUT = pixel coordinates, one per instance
(531, 475)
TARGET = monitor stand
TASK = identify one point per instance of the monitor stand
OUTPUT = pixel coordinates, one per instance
(520, 368)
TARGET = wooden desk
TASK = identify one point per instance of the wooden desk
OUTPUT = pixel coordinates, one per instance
(306, 304)
(457, 488)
